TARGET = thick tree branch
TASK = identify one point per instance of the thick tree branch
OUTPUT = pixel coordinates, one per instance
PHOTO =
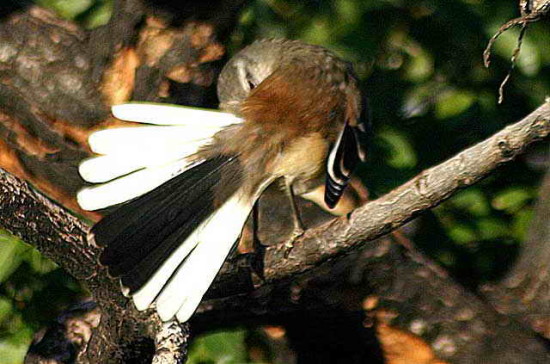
(417, 310)
(62, 237)
(52, 230)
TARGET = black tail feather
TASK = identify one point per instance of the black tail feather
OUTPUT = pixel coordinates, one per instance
(157, 218)
(142, 234)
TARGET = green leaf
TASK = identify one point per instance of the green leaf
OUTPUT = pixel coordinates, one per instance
(522, 222)
(512, 199)
(492, 228)
(39, 263)
(15, 344)
(530, 60)
(462, 234)
(420, 66)
(5, 308)
(452, 103)
(68, 9)
(11, 254)
(402, 154)
(319, 32)
(348, 13)
(473, 201)
(225, 347)
(99, 14)
(12, 352)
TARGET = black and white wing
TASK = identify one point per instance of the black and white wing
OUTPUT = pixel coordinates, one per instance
(350, 148)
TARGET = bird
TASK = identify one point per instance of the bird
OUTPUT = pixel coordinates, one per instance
(185, 183)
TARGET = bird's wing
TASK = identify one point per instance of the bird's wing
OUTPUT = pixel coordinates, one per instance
(349, 149)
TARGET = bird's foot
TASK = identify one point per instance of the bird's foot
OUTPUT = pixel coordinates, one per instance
(256, 261)
(289, 244)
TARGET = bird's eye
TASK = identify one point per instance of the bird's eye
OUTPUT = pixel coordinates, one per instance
(250, 81)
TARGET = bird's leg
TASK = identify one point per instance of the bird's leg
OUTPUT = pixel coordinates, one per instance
(251, 249)
(257, 243)
(298, 229)
(257, 261)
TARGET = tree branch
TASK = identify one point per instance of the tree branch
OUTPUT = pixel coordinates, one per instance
(416, 308)
(32, 217)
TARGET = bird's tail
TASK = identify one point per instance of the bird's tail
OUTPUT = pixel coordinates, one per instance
(168, 244)
(134, 160)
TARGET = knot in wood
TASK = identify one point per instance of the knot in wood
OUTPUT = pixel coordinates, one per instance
(386, 228)
(422, 184)
(541, 126)
(506, 149)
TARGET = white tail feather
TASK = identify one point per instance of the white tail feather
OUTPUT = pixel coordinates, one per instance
(128, 187)
(145, 157)
(107, 167)
(147, 137)
(212, 242)
(164, 114)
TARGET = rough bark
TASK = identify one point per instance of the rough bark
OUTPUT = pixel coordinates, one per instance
(171, 343)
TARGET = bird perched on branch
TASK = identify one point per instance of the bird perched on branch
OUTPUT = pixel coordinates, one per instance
(187, 183)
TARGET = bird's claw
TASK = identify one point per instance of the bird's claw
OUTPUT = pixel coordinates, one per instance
(289, 244)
